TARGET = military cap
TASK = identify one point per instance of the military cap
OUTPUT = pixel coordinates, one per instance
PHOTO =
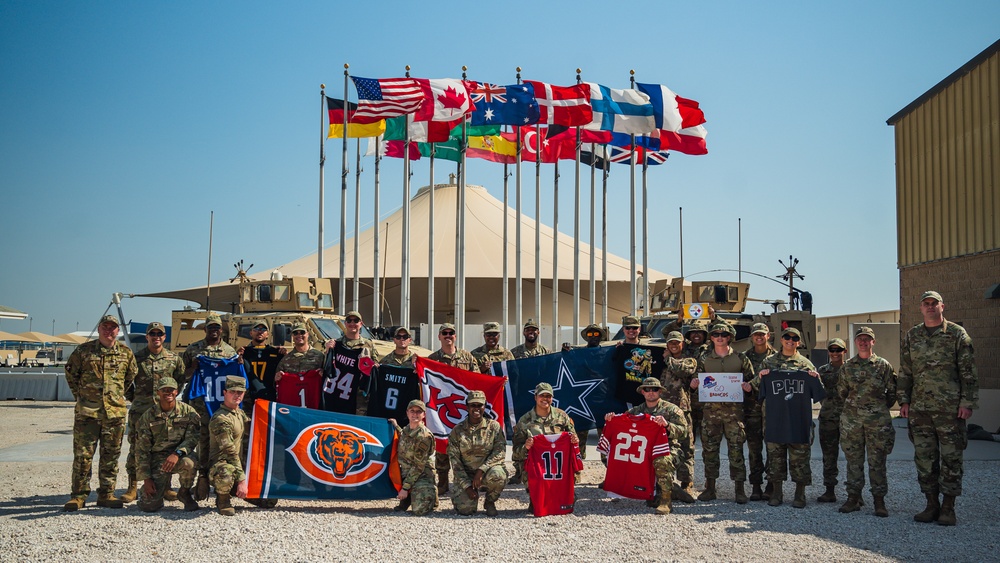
(491, 328)
(759, 328)
(590, 327)
(402, 329)
(300, 326)
(156, 326)
(167, 383)
(932, 295)
(649, 383)
(673, 336)
(630, 321)
(418, 404)
(446, 326)
(354, 314)
(792, 331)
(234, 383)
(531, 324)
(688, 329)
(108, 319)
(836, 342)
(724, 327)
(262, 323)
(864, 331)
(475, 398)
(543, 388)
(213, 319)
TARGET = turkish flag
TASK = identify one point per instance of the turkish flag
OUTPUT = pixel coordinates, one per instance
(551, 149)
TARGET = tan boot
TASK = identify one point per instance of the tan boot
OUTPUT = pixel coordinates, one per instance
(109, 500)
(184, 495)
(132, 492)
(931, 511)
(169, 494)
(947, 516)
(756, 493)
(741, 495)
(684, 492)
(829, 496)
(774, 499)
(709, 492)
(442, 482)
(853, 504)
(225, 507)
(880, 510)
(74, 504)
(800, 496)
(665, 506)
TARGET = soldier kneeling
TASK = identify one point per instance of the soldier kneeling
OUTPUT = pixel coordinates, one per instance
(165, 435)
(225, 442)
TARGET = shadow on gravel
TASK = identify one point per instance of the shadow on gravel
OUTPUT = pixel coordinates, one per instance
(33, 508)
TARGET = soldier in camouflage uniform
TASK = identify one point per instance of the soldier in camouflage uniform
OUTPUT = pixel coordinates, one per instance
(723, 419)
(696, 345)
(155, 362)
(212, 346)
(531, 346)
(449, 353)
(753, 413)
(98, 372)
(671, 417)
(782, 458)
(867, 387)
(167, 434)
(543, 419)
(401, 356)
(352, 340)
(677, 390)
(302, 357)
(938, 390)
(829, 417)
(491, 351)
(476, 449)
(414, 451)
(226, 430)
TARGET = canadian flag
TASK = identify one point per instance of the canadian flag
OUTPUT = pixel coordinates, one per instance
(445, 99)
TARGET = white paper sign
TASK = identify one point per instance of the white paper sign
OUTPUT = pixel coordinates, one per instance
(720, 387)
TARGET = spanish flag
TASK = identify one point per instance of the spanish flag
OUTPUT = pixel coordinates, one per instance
(494, 148)
(354, 130)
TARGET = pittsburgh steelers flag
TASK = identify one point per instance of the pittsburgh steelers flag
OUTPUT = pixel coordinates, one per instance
(298, 453)
(444, 389)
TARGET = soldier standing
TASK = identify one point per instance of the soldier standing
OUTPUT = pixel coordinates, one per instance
(211, 346)
(303, 357)
(938, 390)
(543, 419)
(352, 340)
(415, 448)
(694, 348)
(155, 363)
(677, 390)
(531, 347)
(592, 335)
(401, 356)
(723, 419)
(260, 360)
(449, 353)
(753, 413)
(226, 429)
(829, 418)
(476, 449)
(491, 351)
(167, 434)
(98, 372)
(867, 388)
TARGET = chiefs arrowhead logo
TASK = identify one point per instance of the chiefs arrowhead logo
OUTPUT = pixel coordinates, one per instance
(446, 403)
(336, 454)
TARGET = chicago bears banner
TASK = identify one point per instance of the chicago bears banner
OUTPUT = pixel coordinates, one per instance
(583, 382)
(298, 453)
(444, 389)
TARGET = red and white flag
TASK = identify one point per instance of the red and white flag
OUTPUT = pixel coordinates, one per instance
(444, 388)
(445, 99)
(563, 105)
(691, 140)
(381, 98)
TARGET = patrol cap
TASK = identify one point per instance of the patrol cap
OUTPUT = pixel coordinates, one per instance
(792, 331)
(630, 321)
(649, 383)
(300, 326)
(688, 329)
(591, 327)
(864, 331)
(674, 336)
(402, 329)
(108, 319)
(836, 342)
(724, 327)
(475, 398)
(213, 319)
(156, 326)
(354, 314)
(234, 383)
(543, 388)
(262, 323)
(932, 295)
(167, 383)
(446, 326)
(417, 403)
(491, 328)
(759, 328)
(531, 324)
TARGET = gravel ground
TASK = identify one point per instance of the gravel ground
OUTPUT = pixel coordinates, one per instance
(35, 459)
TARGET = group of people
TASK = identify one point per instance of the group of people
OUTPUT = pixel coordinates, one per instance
(936, 389)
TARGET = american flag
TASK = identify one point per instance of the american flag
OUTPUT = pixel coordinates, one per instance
(380, 98)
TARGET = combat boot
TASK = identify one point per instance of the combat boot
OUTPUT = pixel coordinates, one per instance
(947, 516)
(74, 504)
(774, 499)
(151, 506)
(767, 491)
(741, 495)
(800, 496)
(709, 492)
(442, 482)
(201, 491)
(931, 512)
(132, 492)
(829, 496)
(655, 501)
(225, 507)
(880, 510)
(169, 494)
(491, 507)
(403, 505)
(665, 506)
(853, 504)
(683, 492)
(756, 493)
(184, 495)
(109, 500)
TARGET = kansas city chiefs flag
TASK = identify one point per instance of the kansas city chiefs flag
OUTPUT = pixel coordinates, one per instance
(444, 389)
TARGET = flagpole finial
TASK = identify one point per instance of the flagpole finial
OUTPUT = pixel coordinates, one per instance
(578, 71)
(518, 69)
(322, 86)
(346, 66)
(407, 71)
(631, 72)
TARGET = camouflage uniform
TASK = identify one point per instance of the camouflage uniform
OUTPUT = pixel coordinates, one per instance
(724, 418)
(937, 377)
(782, 458)
(392, 359)
(191, 353)
(695, 352)
(522, 351)
(160, 434)
(532, 424)
(829, 423)
(867, 388)
(471, 449)
(414, 450)
(354, 344)
(677, 429)
(298, 362)
(753, 421)
(98, 377)
(226, 429)
(460, 359)
(486, 357)
(676, 380)
(152, 368)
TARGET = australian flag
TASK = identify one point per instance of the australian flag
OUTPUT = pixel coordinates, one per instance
(583, 383)
(502, 105)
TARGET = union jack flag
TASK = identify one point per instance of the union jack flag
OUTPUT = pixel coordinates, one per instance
(502, 105)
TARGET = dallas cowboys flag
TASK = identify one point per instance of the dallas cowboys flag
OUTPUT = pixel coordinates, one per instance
(583, 383)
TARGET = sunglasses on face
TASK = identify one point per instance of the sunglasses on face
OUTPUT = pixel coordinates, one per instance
(155, 334)
(631, 328)
(299, 333)
(719, 334)
(791, 337)
(352, 321)
(836, 350)
(591, 334)
(448, 333)
(400, 337)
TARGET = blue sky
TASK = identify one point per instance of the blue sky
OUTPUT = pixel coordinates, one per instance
(122, 124)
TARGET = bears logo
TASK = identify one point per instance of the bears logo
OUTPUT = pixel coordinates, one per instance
(336, 454)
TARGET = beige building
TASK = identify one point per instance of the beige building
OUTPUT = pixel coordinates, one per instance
(948, 211)
(884, 323)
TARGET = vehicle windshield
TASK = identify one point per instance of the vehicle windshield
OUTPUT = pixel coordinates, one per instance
(329, 328)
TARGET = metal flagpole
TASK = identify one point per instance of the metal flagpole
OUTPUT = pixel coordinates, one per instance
(538, 224)
(460, 298)
(506, 276)
(357, 222)
(322, 163)
(404, 269)
(576, 235)
(604, 243)
(376, 290)
(555, 255)
(645, 233)
(430, 249)
(680, 238)
(631, 209)
(593, 229)
(342, 287)
(518, 279)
